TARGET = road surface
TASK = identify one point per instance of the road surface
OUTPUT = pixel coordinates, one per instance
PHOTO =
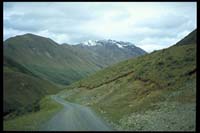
(74, 117)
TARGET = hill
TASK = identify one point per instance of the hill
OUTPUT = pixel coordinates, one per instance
(156, 91)
(190, 38)
(22, 90)
(62, 64)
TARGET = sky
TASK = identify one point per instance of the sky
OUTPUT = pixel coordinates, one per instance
(148, 25)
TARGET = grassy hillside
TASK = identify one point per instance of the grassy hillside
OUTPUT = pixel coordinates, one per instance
(46, 59)
(151, 92)
(33, 120)
(189, 39)
(11, 65)
(61, 64)
(22, 90)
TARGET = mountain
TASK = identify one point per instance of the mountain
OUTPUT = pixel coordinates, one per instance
(47, 59)
(156, 91)
(108, 52)
(22, 89)
(63, 64)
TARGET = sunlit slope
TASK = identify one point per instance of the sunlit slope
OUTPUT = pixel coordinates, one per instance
(152, 92)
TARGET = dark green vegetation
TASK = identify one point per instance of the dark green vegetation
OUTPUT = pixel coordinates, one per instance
(22, 89)
(32, 121)
(61, 64)
(151, 92)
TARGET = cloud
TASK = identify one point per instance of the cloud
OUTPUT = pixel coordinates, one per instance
(150, 25)
(151, 47)
(150, 44)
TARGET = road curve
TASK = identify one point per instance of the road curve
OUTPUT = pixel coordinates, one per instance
(74, 117)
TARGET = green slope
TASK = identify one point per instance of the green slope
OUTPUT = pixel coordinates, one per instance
(190, 38)
(22, 89)
(47, 59)
(151, 92)
(32, 121)
(61, 64)
(9, 64)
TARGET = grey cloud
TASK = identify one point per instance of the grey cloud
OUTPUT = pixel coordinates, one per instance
(168, 21)
(74, 22)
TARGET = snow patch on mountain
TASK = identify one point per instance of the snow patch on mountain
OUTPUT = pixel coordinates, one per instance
(119, 44)
(90, 43)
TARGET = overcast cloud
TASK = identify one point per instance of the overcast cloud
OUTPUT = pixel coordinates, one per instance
(149, 25)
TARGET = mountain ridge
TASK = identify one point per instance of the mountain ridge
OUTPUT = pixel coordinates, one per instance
(188, 39)
(63, 64)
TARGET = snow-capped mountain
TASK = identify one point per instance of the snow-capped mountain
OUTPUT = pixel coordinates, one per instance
(119, 44)
(90, 43)
(107, 51)
(70, 62)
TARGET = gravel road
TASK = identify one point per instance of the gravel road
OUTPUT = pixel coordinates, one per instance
(74, 117)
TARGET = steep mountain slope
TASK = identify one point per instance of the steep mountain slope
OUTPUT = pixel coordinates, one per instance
(47, 59)
(151, 92)
(190, 38)
(62, 64)
(107, 52)
(22, 89)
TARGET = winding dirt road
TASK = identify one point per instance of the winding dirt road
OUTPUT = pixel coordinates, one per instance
(74, 117)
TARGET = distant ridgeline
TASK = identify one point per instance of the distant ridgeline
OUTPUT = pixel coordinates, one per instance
(64, 64)
(189, 39)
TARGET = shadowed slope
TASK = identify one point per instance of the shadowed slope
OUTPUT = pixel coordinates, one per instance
(22, 89)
